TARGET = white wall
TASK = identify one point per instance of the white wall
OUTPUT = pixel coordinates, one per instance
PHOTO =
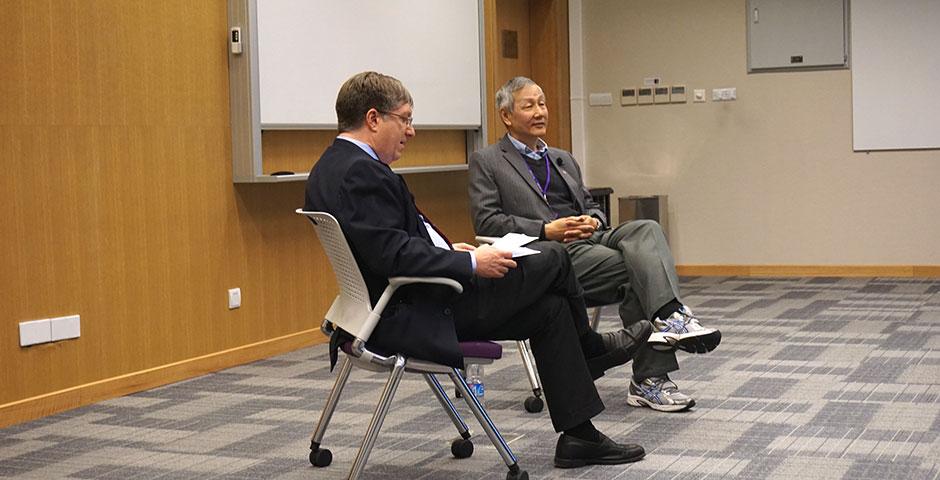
(768, 179)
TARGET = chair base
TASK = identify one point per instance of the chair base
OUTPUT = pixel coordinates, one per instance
(460, 448)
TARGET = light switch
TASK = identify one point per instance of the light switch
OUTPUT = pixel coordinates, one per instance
(698, 95)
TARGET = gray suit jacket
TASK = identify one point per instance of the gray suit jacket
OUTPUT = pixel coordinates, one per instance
(505, 198)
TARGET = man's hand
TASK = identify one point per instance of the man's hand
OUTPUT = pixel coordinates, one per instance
(493, 263)
(569, 229)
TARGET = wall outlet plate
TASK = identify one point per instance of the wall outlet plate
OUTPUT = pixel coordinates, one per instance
(35, 331)
(234, 298)
(64, 328)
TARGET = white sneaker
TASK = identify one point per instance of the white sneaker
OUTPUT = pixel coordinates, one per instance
(660, 394)
(682, 330)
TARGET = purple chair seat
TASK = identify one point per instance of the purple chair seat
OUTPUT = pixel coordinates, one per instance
(481, 349)
(474, 349)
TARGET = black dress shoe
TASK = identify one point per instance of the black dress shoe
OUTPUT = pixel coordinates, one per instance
(619, 347)
(571, 452)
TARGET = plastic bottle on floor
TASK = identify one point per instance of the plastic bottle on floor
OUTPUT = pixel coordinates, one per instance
(474, 379)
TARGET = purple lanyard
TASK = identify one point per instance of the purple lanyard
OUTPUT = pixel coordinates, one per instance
(548, 176)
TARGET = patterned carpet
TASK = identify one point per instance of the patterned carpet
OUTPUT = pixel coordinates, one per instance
(815, 379)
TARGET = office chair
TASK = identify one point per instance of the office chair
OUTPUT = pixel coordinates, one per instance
(353, 312)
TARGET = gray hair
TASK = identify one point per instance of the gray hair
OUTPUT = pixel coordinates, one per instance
(504, 94)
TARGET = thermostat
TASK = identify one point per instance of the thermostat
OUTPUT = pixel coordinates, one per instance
(628, 96)
(661, 94)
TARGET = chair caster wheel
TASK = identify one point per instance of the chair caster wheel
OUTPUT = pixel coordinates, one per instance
(321, 457)
(534, 404)
(461, 448)
(518, 475)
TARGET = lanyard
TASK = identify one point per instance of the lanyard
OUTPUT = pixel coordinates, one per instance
(548, 176)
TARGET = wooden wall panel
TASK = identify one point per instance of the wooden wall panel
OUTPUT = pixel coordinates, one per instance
(542, 32)
(114, 135)
(549, 39)
(298, 150)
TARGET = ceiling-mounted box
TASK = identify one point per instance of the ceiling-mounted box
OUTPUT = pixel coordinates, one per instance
(797, 34)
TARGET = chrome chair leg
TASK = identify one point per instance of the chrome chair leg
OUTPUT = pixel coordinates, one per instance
(533, 404)
(331, 402)
(385, 400)
(596, 317)
(501, 446)
(445, 402)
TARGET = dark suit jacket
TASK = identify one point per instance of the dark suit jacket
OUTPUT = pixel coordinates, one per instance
(381, 223)
(505, 198)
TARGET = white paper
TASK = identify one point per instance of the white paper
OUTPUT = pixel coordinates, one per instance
(513, 242)
(523, 251)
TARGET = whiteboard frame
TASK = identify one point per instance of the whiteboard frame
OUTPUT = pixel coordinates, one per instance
(892, 105)
(245, 104)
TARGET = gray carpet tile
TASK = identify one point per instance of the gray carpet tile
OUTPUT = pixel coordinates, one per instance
(822, 378)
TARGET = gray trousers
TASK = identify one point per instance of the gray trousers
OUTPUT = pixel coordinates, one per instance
(630, 264)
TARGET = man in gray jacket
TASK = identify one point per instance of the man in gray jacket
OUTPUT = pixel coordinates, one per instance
(520, 184)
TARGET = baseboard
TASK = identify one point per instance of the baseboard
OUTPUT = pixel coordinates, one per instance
(904, 271)
(74, 397)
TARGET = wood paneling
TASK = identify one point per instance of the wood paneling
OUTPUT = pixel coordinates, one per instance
(542, 32)
(115, 138)
(298, 150)
(49, 403)
(114, 133)
(548, 36)
(904, 271)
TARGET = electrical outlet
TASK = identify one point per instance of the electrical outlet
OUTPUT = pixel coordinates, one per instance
(234, 298)
(64, 328)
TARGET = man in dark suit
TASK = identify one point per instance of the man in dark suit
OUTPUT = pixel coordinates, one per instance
(520, 184)
(537, 298)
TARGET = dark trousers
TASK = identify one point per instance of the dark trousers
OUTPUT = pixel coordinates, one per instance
(541, 301)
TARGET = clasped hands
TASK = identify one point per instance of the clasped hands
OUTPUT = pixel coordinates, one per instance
(494, 263)
(569, 229)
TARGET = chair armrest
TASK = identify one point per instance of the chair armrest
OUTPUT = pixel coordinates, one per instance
(395, 282)
(399, 281)
(486, 240)
(359, 349)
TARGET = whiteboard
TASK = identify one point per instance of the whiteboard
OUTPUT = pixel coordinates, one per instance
(895, 74)
(308, 48)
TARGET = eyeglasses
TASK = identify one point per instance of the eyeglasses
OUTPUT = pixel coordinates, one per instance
(407, 120)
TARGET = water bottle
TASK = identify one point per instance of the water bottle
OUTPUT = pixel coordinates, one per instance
(475, 380)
